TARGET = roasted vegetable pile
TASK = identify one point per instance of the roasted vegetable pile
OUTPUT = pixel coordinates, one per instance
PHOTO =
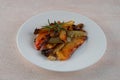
(58, 40)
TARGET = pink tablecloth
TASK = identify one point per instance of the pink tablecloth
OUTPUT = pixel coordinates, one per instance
(13, 13)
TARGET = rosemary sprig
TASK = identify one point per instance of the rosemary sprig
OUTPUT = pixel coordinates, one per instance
(56, 27)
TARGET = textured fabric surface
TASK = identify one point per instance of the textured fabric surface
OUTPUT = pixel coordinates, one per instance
(13, 13)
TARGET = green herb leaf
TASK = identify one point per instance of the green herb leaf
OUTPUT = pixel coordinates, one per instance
(55, 27)
(48, 21)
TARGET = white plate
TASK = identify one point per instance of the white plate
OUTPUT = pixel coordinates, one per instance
(86, 55)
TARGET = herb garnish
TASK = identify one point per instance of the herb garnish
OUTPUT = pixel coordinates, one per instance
(56, 26)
